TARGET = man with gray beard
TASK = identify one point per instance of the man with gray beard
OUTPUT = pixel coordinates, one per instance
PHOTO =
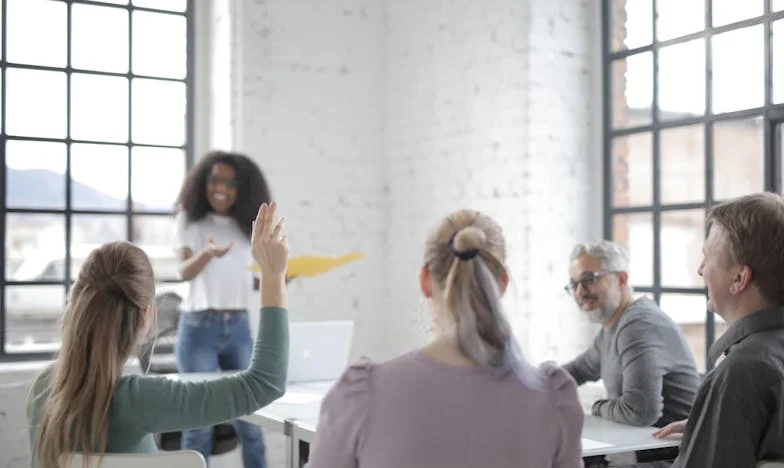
(640, 354)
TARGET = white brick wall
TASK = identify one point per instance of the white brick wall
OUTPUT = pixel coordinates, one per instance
(374, 118)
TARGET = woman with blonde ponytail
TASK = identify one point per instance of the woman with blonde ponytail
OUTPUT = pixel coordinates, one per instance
(468, 398)
(83, 402)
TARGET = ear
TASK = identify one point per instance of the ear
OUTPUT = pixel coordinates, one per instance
(741, 281)
(623, 278)
(503, 283)
(425, 283)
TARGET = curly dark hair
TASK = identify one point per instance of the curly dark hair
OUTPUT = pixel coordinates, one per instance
(252, 189)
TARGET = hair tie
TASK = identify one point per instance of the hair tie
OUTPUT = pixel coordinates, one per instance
(464, 254)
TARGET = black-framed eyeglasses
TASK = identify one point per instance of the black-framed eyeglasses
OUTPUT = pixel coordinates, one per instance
(229, 184)
(588, 279)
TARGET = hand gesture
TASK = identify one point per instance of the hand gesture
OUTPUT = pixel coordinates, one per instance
(675, 428)
(268, 245)
(217, 251)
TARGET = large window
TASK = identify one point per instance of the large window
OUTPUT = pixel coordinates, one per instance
(95, 99)
(694, 97)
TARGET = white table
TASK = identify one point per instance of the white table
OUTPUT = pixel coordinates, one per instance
(301, 401)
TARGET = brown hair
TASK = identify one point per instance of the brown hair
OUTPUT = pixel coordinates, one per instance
(465, 256)
(754, 226)
(101, 327)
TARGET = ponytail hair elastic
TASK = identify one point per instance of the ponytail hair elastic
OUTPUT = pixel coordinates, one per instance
(461, 254)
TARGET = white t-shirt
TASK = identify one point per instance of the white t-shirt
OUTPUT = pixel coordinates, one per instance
(225, 283)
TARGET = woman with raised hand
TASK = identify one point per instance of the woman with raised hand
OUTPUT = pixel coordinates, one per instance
(468, 398)
(83, 402)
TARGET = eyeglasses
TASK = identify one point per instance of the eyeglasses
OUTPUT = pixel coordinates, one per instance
(588, 279)
(229, 184)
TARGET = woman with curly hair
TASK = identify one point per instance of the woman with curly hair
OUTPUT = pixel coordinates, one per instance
(216, 208)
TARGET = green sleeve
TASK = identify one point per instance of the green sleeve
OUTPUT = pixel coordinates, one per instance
(159, 404)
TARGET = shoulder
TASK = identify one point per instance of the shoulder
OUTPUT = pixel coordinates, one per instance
(356, 378)
(746, 367)
(559, 381)
(643, 319)
(351, 392)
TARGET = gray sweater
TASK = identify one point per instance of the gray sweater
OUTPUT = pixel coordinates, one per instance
(646, 366)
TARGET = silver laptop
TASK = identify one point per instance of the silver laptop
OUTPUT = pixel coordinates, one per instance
(318, 351)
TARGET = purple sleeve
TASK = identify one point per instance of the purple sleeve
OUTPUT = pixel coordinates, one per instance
(342, 419)
(569, 417)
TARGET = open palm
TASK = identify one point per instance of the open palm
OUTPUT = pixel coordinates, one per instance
(269, 246)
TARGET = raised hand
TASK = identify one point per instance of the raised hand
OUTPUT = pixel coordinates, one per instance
(675, 428)
(269, 246)
(215, 250)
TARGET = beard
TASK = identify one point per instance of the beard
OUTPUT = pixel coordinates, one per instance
(607, 308)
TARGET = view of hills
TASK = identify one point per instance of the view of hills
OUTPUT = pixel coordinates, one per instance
(40, 188)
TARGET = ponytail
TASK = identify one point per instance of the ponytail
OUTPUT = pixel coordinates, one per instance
(472, 293)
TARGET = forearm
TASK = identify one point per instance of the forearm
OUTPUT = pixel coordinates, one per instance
(273, 292)
(192, 266)
(640, 403)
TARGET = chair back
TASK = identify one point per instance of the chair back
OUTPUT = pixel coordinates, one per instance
(14, 443)
(177, 459)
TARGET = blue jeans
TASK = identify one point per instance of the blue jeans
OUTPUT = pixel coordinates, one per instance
(209, 341)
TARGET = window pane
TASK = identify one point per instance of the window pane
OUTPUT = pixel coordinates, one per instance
(37, 32)
(682, 80)
(90, 231)
(99, 38)
(154, 235)
(159, 45)
(778, 60)
(115, 2)
(732, 11)
(677, 18)
(158, 112)
(34, 244)
(633, 170)
(738, 70)
(170, 5)
(99, 175)
(32, 318)
(738, 158)
(635, 232)
(682, 235)
(35, 174)
(689, 312)
(157, 175)
(99, 108)
(776, 5)
(35, 103)
(632, 90)
(632, 24)
(683, 164)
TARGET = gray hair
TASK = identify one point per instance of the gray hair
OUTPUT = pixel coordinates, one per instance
(614, 256)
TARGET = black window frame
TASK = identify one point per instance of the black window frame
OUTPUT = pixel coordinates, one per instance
(68, 212)
(773, 117)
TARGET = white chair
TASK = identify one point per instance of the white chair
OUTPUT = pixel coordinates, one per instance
(770, 464)
(14, 443)
(175, 459)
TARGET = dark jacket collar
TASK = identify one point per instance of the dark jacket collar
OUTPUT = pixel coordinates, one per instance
(753, 323)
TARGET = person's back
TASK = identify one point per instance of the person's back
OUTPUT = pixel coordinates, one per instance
(467, 399)
(418, 412)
